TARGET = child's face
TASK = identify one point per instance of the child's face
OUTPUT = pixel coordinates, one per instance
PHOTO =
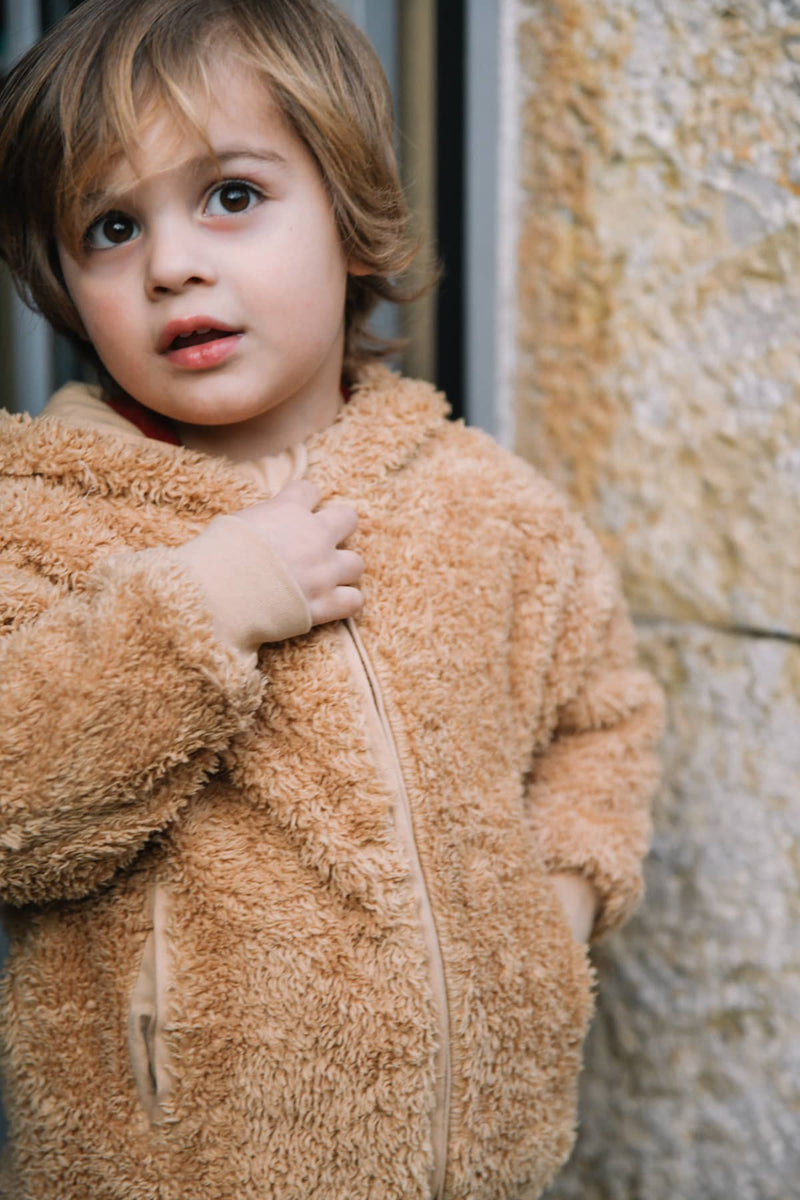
(215, 301)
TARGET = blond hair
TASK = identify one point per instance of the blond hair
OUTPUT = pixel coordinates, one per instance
(75, 101)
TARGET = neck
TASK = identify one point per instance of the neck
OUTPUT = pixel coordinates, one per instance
(267, 434)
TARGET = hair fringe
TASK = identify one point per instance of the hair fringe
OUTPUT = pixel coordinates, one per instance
(83, 96)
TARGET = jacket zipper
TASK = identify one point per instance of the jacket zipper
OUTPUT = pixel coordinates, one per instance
(404, 822)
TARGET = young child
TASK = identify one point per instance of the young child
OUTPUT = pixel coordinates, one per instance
(299, 842)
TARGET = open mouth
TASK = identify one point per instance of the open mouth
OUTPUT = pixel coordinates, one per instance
(198, 337)
(198, 343)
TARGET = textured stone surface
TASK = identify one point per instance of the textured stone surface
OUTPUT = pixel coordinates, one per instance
(691, 1089)
(659, 374)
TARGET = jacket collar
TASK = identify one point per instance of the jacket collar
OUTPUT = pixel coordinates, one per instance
(385, 423)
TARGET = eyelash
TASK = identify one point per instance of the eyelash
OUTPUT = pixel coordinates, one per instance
(254, 196)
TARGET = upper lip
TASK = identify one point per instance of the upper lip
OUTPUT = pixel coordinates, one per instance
(183, 326)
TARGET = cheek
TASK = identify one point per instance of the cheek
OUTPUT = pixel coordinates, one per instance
(311, 254)
(102, 313)
(99, 303)
(300, 292)
(323, 287)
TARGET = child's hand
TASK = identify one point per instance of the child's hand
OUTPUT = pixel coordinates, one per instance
(307, 542)
(579, 901)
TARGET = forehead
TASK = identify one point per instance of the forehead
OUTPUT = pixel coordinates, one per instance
(231, 111)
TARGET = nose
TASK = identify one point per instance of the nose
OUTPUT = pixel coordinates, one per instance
(178, 258)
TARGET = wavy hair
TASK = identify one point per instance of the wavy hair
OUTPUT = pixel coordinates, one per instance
(76, 101)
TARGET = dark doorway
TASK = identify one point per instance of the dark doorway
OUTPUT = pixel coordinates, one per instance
(450, 184)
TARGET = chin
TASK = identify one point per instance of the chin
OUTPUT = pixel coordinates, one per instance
(215, 416)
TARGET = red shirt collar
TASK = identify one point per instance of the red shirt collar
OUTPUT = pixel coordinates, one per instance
(150, 423)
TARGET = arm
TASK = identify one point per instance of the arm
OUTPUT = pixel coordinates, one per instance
(589, 791)
(114, 705)
(116, 701)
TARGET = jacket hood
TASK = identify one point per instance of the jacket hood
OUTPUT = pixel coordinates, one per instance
(385, 424)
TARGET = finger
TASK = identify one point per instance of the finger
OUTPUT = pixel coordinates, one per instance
(337, 605)
(300, 491)
(349, 566)
(340, 519)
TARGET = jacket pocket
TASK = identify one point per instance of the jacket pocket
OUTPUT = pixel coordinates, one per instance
(147, 1016)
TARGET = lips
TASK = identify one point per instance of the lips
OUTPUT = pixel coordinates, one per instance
(198, 343)
(193, 331)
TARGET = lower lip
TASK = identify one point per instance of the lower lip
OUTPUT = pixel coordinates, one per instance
(204, 354)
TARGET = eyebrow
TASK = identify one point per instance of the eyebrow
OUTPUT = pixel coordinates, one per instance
(225, 156)
(198, 164)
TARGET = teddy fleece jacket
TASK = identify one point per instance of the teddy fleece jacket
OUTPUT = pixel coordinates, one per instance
(278, 899)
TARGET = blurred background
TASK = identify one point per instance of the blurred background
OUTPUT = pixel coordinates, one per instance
(613, 188)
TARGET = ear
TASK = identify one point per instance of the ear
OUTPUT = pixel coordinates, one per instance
(358, 268)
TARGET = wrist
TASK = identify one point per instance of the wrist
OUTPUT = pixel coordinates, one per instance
(580, 901)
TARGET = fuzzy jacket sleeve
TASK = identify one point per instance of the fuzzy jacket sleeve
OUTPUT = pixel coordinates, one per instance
(589, 791)
(115, 702)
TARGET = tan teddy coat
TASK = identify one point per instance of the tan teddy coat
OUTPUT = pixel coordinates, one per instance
(281, 924)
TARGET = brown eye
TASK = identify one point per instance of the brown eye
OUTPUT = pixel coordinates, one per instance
(112, 229)
(232, 197)
(118, 229)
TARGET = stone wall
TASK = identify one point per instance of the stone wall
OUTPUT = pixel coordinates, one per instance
(659, 381)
